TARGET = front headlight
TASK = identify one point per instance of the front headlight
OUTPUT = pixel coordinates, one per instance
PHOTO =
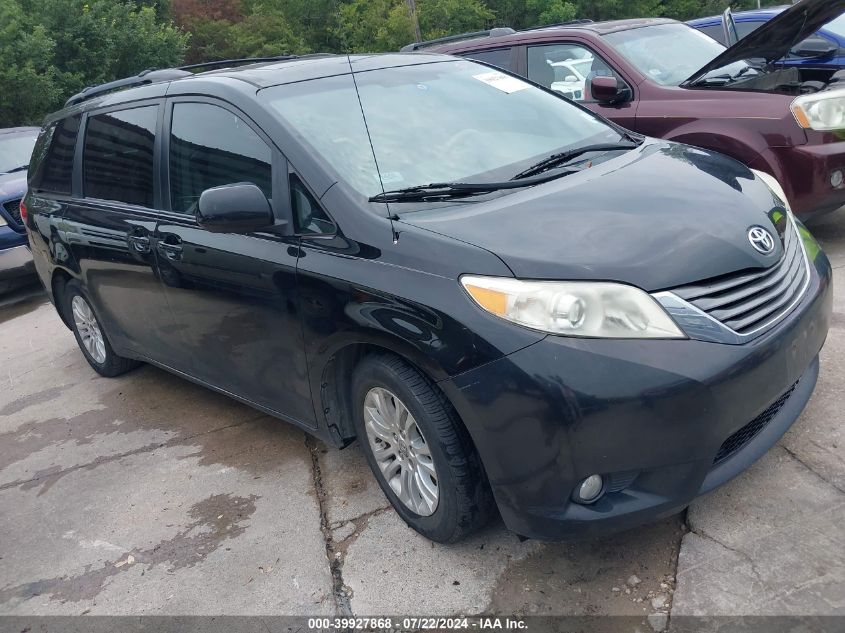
(822, 111)
(775, 187)
(574, 308)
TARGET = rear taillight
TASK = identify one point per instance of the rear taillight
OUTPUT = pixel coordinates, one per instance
(23, 212)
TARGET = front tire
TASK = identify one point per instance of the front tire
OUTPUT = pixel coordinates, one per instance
(419, 451)
(90, 336)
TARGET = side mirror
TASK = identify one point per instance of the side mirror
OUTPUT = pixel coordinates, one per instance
(238, 208)
(815, 47)
(609, 90)
(571, 79)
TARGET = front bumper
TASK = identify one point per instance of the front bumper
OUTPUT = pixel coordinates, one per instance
(652, 415)
(805, 172)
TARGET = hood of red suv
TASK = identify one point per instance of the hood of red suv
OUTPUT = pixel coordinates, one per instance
(773, 41)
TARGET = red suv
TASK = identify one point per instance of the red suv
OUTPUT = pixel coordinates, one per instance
(665, 79)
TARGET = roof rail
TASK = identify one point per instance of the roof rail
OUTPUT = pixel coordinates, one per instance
(567, 23)
(497, 32)
(225, 63)
(149, 76)
(154, 75)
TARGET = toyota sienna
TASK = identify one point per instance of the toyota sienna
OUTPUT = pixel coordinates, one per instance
(511, 303)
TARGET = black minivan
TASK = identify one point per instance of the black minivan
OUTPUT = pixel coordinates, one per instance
(510, 302)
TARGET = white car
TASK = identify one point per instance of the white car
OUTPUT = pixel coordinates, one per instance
(571, 77)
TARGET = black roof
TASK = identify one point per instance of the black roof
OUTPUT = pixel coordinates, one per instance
(256, 73)
(305, 68)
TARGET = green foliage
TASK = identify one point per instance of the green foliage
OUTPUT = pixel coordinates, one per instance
(373, 25)
(53, 48)
(445, 17)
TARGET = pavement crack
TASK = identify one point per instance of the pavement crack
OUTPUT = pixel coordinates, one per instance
(340, 592)
(817, 474)
(360, 524)
(743, 555)
(53, 474)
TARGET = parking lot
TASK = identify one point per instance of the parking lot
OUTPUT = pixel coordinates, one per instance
(149, 495)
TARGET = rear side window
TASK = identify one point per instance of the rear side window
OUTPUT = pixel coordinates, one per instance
(209, 147)
(717, 32)
(744, 29)
(52, 158)
(500, 57)
(118, 156)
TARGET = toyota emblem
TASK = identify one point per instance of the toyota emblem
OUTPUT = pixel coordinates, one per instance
(761, 240)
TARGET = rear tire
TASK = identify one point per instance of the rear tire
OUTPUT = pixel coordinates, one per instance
(419, 451)
(90, 335)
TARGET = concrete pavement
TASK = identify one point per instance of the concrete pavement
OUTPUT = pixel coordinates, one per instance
(149, 495)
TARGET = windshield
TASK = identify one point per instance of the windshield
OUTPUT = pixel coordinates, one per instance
(670, 53)
(431, 123)
(837, 26)
(16, 150)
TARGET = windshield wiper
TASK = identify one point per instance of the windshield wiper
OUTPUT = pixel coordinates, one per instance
(556, 160)
(14, 169)
(453, 190)
(725, 78)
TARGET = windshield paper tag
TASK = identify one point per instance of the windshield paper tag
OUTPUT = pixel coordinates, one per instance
(501, 81)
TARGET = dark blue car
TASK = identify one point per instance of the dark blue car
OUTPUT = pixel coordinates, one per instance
(15, 259)
(826, 47)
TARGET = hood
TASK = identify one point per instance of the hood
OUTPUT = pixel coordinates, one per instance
(778, 36)
(12, 185)
(658, 217)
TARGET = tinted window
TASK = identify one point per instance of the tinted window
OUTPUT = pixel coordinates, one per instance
(747, 28)
(308, 215)
(501, 57)
(52, 158)
(566, 68)
(209, 147)
(118, 156)
(717, 32)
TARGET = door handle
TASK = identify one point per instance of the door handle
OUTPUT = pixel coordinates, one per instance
(141, 243)
(170, 247)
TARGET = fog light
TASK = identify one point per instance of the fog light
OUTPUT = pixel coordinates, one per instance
(837, 178)
(588, 490)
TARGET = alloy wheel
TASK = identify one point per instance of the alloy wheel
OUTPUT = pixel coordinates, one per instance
(89, 330)
(401, 451)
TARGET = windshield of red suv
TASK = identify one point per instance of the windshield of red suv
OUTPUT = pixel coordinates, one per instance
(670, 53)
(428, 123)
(16, 150)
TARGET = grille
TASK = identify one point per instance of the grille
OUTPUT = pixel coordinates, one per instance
(747, 301)
(738, 440)
(13, 208)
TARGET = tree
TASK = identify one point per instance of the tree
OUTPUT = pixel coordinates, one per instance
(53, 48)
(265, 32)
(373, 25)
(445, 17)
(28, 82)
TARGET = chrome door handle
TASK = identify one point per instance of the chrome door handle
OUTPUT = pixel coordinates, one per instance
(170, 251)
(140, 243)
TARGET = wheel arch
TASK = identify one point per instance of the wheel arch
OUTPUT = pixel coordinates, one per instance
(332, 389)
(58, 282)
